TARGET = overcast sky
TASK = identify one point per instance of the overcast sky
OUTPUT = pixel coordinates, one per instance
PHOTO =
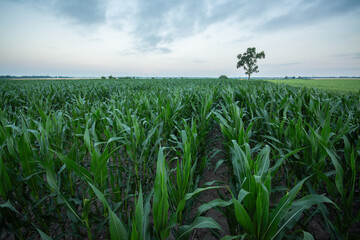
(178, 37)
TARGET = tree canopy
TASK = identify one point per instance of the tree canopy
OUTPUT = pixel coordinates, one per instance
(248, 61)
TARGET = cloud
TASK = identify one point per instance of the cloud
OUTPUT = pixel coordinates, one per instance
(308, 12)
(164, 50)
(79, 12)
(155, 25)
(289, 64)
(348, 55)
(161, 22)
(356, 55)
(82, 12)
(198, 61)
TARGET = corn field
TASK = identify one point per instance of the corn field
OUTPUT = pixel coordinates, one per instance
(156, 159)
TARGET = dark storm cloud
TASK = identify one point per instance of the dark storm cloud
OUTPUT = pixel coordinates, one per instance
(80, 12)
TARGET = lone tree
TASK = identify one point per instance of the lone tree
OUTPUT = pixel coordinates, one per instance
(248, 61)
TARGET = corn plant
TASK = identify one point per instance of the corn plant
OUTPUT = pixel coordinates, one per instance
(232, 125)
(160, 199)
(251, 198)
(81, 159)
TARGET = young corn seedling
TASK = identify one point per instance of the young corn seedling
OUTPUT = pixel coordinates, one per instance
(232, 125)
(184, 182)
(203, 117)
(160, 199)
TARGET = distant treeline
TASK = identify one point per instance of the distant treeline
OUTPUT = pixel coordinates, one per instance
(33, 76)
(339, 77)
(299, 77)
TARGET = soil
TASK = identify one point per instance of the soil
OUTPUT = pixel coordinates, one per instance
(317, 229)
(215, 141)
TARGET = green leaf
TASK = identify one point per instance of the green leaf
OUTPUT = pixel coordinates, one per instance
(43, 235)
(150, 134)
(339, 170)
(282, 208)
(113, 139)
(263, 161)
(100, 196)
(81, 171)
(6, 185)
(278, 163)
(199, 222)
(87, 140)
(301, 205)
(101, 167)
(160, 198)
(139, 214)
(51, 176)
(134, 233)
(214, 203)
(27, 161)
(243, 217)
(218, 164)
(312, 199)
(117, 228)
(307, 236)
(239, 237)
(293, 214)
(198, 190)
(9, 205)
(69, 206)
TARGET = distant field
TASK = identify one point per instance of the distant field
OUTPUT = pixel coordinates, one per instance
(333, 84)
(19, 79)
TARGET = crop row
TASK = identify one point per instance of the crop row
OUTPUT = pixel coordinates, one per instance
(124, 159)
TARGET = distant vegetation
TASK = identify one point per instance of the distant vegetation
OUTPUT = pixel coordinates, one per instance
(333, 84)
(223, 77)
(32, 76)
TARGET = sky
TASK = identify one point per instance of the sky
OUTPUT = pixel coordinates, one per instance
(178, 38)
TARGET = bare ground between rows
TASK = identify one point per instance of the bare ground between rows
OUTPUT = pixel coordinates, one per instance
(215, 141)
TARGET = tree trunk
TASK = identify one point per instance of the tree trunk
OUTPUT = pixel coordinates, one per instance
(249, 76)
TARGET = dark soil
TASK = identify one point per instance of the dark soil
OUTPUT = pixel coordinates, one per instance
(214, 142)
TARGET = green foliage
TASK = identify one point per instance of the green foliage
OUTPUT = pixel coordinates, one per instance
(253, 188)
(248, 61)
(89, 158)
(223, 77)
(160, 199)
(336, 85)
